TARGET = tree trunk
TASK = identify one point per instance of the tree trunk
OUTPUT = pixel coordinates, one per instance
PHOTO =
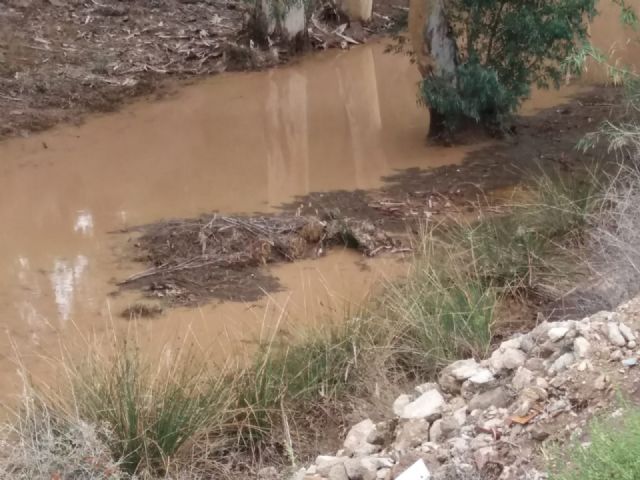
(437, 126)
(357, 10)
(435, 48)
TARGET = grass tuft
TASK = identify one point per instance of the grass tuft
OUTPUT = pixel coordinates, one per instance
(613, 451)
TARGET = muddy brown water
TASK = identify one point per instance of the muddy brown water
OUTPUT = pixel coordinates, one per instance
(233, 143)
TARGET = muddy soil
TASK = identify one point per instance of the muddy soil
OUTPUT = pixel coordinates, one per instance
(545, 141)
(193, 261)
(223, 257)
(60, 59)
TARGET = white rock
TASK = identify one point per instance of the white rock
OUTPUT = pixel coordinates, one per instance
(562, 362)
(581, 347)
(460, 416)
(338, 472)
(632, 344)
(425, 387)
(463, 369)
(522, 378)
(509, 359)
(542, 383)
(410, 434)
(417, 471)
(356, 441)
(360, 468)
(614, 335)
(482, 376)
(435, 432)
(556, 333)
(428, 405)
(514, 342)
(401, 402)
(616, 355)
(627, 333)
(324, 463)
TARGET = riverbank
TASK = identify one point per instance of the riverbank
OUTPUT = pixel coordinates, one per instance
(61, 60)
(188, 418)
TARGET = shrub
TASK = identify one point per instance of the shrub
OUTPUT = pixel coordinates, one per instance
(504, 47)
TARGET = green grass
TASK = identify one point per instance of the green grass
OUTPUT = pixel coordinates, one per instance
(442, 311)
(159, 413)
(613, 451)
(151, 410)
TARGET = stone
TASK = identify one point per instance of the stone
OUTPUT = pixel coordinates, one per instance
(542, 383)
(428, 406)
(562, 362)
(324, 463)
(463, 369)
(360, 469)
(356, 440)
(630, 362)
(435, 432)
(483, 456)
(614, 335)
(539, 434)
(448, 383)
(556, 333)
(514, 342)
(482, 376)
(497, 397)
(411, 434)
(632, 344)
(535, 364)
(527, 344)
(383, 473)
(616, 355)
(507, 359)
(522, 378)
(338, 472)
(627, 333)
(425, 387)
(460, 416)
(401, 402)
(417, 471)
(581, 347)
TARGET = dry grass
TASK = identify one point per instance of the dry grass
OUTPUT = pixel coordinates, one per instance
(182, 416)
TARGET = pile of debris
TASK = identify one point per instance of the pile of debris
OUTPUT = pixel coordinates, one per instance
(487, 419)
(221, 256)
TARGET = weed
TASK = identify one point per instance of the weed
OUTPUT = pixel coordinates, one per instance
(613, 451)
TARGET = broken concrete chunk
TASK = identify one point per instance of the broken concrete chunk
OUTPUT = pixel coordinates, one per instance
(401, 402)
(522, 378)
(498, 397)
(509, 359)
(614, 335)
(562, 362)
(428, 405)
(356, 441)
(581, 347)
(627, 333)
(556, 333)
(417, 471)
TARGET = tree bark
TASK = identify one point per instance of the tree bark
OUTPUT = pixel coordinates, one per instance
(435, 48)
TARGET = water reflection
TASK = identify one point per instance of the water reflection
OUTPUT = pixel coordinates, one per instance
(65, 278)
(84, 223)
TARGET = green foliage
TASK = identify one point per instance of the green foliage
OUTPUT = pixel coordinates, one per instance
(505, 47)
(150, 412)
(613, 451)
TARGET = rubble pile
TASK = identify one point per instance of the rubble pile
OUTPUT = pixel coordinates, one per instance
(486, 419)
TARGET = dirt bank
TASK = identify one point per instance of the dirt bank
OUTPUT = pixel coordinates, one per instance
(544, 141)
(61, 59)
